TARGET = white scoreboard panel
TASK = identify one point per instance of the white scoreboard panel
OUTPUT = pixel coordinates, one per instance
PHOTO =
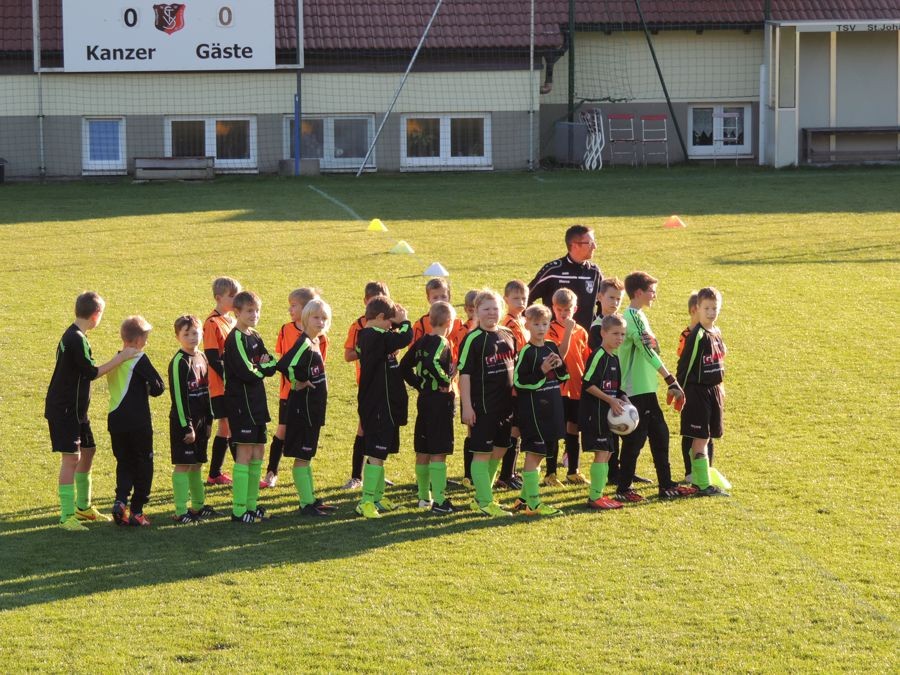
(143, 35)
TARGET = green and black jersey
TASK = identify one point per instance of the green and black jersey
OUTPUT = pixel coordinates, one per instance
(538, 394)
(382, 400)
(189, 390)
(245, 392)
(604, 372)
(69, 393)
(488, 358)
(426, 365)
(304, 363)
(703, 359)
(131, 384)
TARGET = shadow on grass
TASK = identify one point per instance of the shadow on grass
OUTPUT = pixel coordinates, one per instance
(40, 563)
(838, 256)
(560, 194)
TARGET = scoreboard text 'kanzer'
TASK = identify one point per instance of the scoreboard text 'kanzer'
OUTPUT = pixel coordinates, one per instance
(143, 35)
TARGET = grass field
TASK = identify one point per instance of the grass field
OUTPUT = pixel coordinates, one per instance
(798, 571)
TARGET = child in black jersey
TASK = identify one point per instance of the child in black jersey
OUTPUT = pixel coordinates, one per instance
(539, 370)
(701, 369)
(601, 390)
(486, 358)
(428, 368)
(247, 362)
(131, 383)
(382, 399)
(304, 415)
(66, 408)
(190, 422)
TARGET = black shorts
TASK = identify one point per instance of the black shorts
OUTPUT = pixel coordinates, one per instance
(703, 410)
(434, 425)
(252, 434)
(571, 406)
(382, 442)
(69, 435)
(217, 403)
(301, 442)
(593, 442)
(489, 432)
(189, 453)
(536, 445)
(282, 411)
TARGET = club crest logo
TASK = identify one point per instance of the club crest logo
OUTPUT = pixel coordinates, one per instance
(169, 18)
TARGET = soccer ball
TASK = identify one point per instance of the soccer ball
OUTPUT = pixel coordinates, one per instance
(623, 424)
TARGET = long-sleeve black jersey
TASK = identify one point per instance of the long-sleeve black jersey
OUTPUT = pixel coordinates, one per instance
(426, 365)
(382, 401)
(131, 384)
(304, 363)
(538, 394)
(69, 393)
(245, 392)
(583, 279)
(702, 360)
(604, 372)
(189, 390)
(488, 357)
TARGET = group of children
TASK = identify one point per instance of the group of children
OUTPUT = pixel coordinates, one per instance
(528, 377)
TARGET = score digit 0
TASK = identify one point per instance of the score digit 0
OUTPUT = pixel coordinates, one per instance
(130, 17)
(225, 17)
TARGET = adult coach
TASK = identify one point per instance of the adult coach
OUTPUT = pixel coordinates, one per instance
(574, 271)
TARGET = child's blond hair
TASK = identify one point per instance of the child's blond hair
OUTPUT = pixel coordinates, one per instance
(225, 286)
(535, 312)
(565, 297)
(441, 313)
(134, 327)
(313, 306)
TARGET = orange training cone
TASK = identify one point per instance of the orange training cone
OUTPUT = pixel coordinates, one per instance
(674, 222)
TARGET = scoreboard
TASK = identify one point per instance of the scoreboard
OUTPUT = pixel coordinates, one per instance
(143, 35)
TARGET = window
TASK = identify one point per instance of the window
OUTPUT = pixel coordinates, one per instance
(719, 130)
(103, 145)
(338, 142)
(231, 140)
(434, 141)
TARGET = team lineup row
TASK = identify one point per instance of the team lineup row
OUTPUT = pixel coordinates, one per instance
(535, 376)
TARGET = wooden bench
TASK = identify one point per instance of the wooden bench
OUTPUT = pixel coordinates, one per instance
(813, 156)
(174, 168)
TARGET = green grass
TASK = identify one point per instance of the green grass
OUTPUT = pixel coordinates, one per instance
(797, 571)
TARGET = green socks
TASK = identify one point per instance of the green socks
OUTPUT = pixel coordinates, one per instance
(254, 472)
(699, 471)
(66, 501)
(239, 489)
(493, 468)
(379, 487)
(198, 489)
(531, 484)
(437, 474)
(599, 476)
(303, 484)
(180, 490)
(370, 482)
(83, 489)
(423, 480)
(481, 476)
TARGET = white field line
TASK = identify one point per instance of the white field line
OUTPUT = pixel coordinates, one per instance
(336, 202)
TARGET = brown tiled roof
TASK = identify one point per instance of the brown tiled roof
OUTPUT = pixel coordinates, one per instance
(662, 13)
(471, 24)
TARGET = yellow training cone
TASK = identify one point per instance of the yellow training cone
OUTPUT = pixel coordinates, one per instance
(402, 247)
(375, 225)
(674, 222)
